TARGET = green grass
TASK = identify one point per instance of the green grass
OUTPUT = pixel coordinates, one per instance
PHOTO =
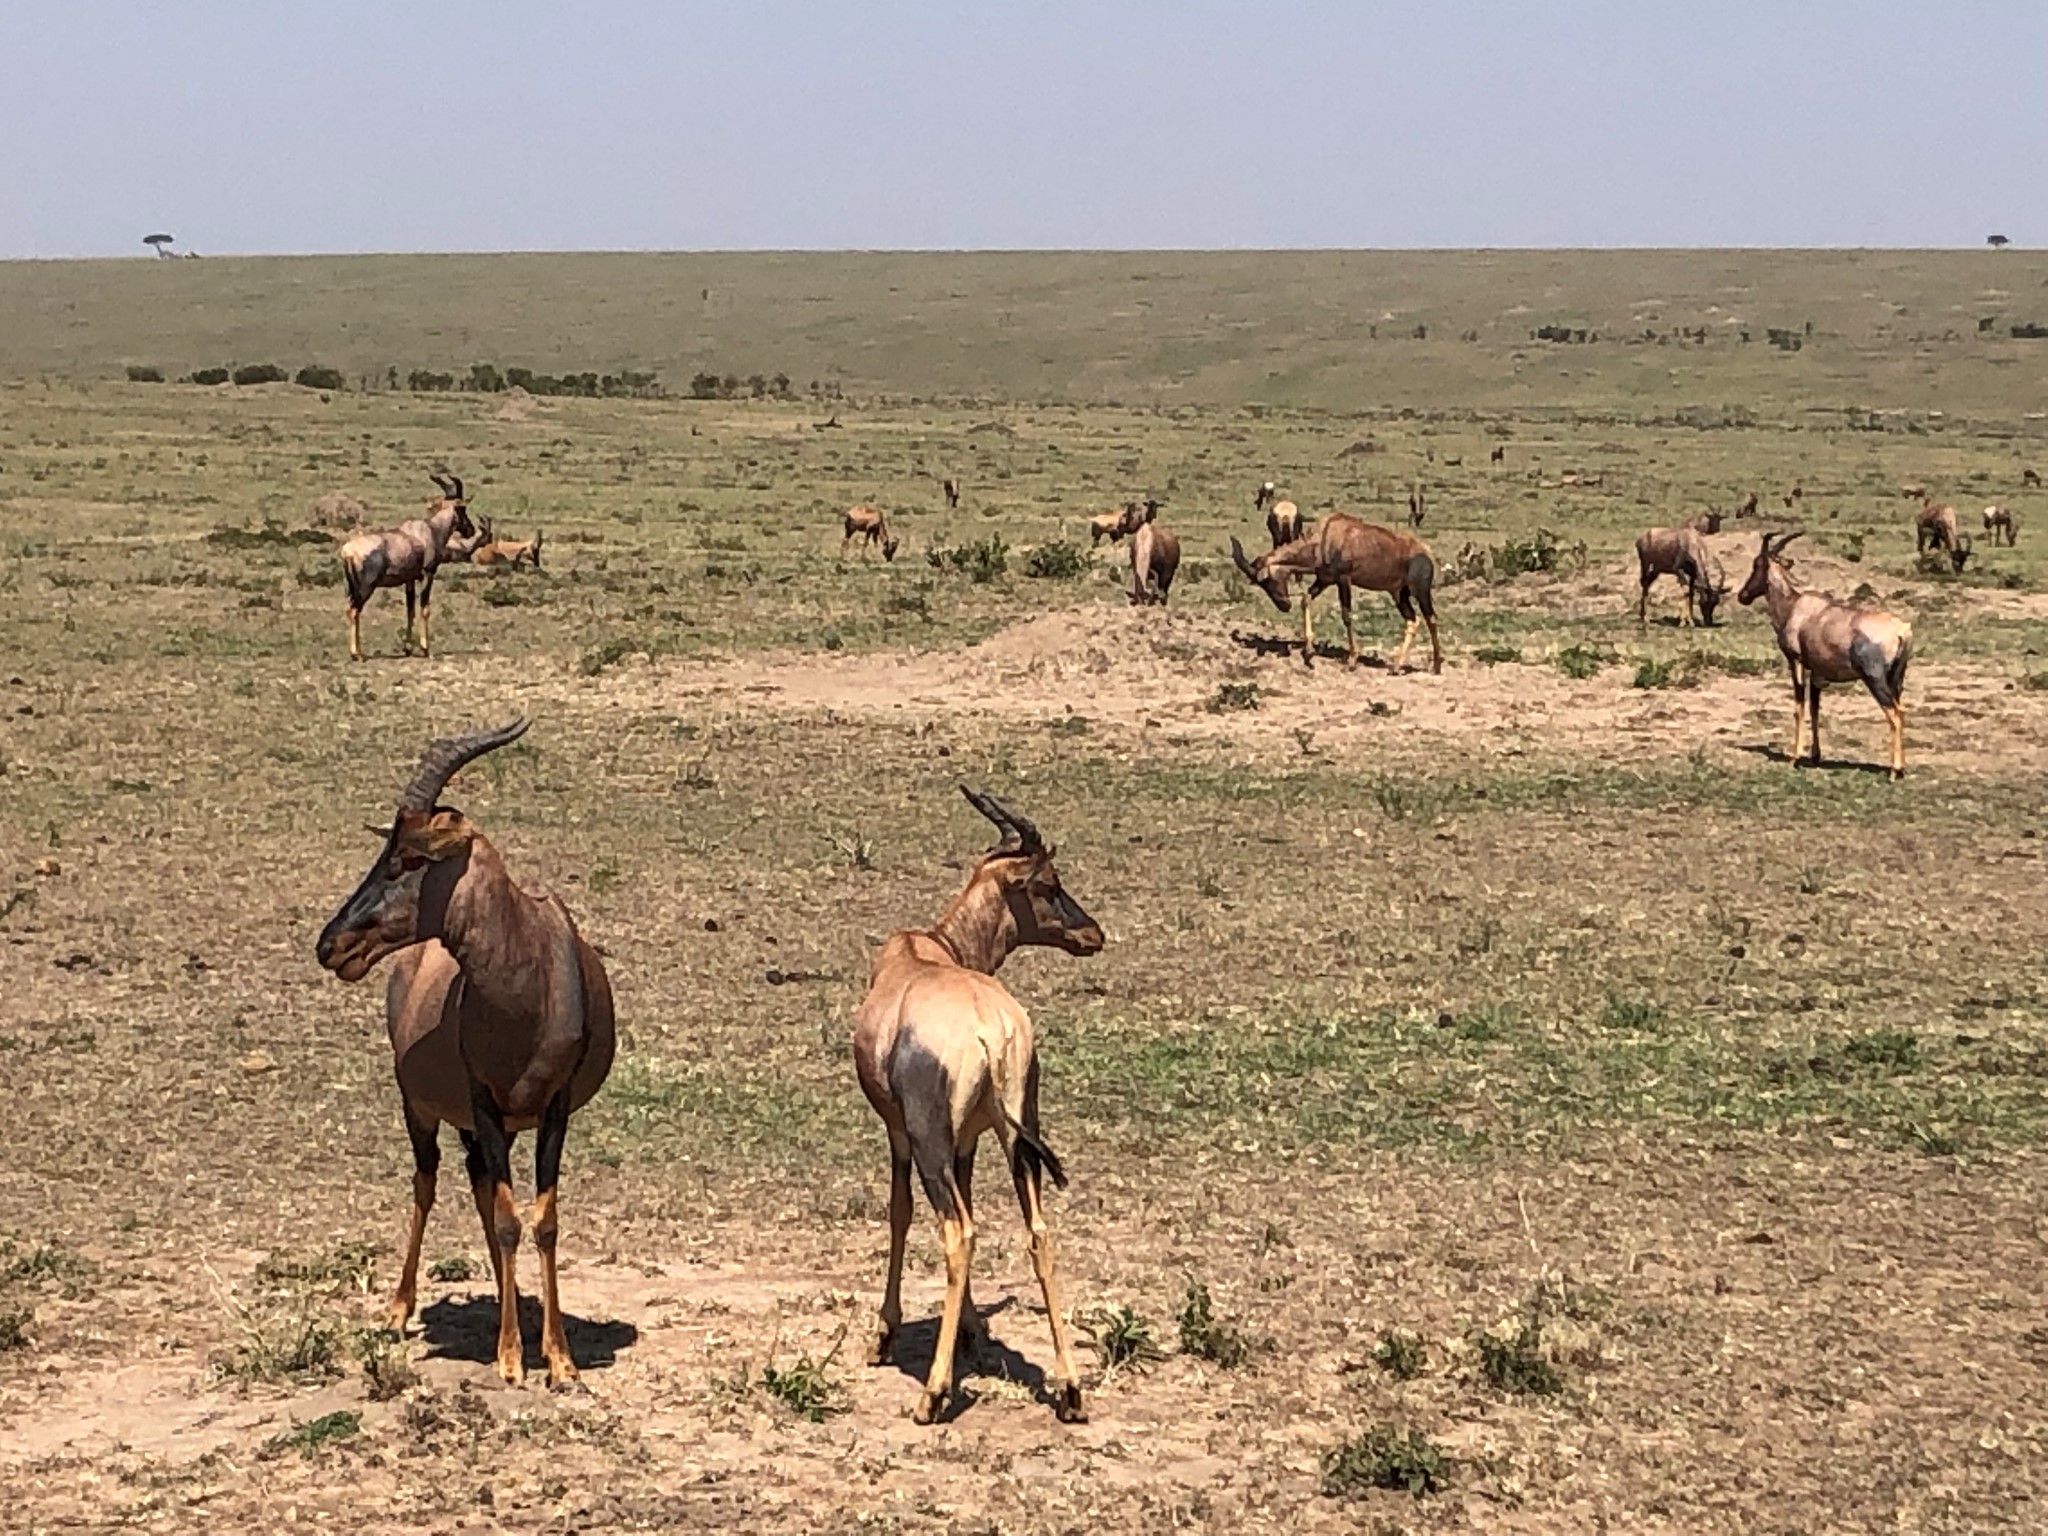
(1384, 1457)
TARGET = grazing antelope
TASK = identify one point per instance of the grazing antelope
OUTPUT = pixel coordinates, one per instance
(406, 556)
(1344, 552)
(1999, 523)
(1824, 641)
(868, 524)
(1935, 529)
(2030, 477)
(1748, 507)
(500, 1017)
(1155, 555)
(952, 491)
(1682, 554)
(944, 1053)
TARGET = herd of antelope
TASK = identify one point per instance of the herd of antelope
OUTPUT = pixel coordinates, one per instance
(500, 1013)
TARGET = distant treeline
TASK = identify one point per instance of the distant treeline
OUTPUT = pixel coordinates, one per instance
(490, 379)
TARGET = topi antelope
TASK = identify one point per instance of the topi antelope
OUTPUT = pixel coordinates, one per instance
(1110, 525)
(2001, 525)
(1680, 553)
(1418, 506)
(1748, 506)
(1344, 552)
(1283, 518)
(1708, 521)
(868, 523)
(945, 1053)
(500, 1017)
(406, 556)
(952, 490)
(1936, 529)
(1499, 454)
(1829, 642)
(494, 552)
(2030, 477)
(1155, 555)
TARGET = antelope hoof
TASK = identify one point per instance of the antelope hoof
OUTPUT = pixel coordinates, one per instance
(1069, 1407)
(397, 1315)
(929, 1407)
(884, 1351)
(512, 1368)
(562, 1374)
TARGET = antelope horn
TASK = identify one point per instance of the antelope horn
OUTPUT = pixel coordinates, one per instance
(1237, 554)
(441, 482)
(1018, 834)
(440, 762)
(1776, 542)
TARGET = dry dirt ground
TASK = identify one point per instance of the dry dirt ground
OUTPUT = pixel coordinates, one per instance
(1532, 1061)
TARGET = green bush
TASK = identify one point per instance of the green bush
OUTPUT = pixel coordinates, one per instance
(141, 373)
(1578, 661)
(1384, 1457)
(260, 373)
(315, 376)
(209, 376)
(983, 560)
(1057, 561)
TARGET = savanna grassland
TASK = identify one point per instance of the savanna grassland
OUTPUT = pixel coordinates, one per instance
(1518, 1086)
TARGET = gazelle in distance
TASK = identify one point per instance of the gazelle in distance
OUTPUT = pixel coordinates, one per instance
(1824, 641)
(500, 1016)
(406, 556)
(944, 1053)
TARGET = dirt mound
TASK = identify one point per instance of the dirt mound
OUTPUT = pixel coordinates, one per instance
(518, 405)
(338, 509)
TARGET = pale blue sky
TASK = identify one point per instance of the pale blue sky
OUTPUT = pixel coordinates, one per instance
(632, 124)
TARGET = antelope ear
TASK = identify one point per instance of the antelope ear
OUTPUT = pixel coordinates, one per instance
(441, 835)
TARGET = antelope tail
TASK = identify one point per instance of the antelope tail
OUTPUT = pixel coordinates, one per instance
(1028, 1153)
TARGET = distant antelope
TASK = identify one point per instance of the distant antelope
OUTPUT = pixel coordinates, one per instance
(1111, 525)
(1499, 454)
(1748, 507)
(1824, 641)
(1344, 552)
(406, 556)
(1792, 497)
(1283, 518)
(944, 1053)
(2030, 477)
(952, 491)
(500, 1016)
(1999, 524)
(1682, 554)
(1936, 529)
(509, 552)
(1155, 555)
(1708, 521)
(1418, 507)
(869, 525)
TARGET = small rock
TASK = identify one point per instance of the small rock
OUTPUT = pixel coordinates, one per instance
(49, 867)
(712, 925)
(772, 976)
(77, 960)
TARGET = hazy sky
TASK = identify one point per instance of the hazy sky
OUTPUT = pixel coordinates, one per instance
(635, 124)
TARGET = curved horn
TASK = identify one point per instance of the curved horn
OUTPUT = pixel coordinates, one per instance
(1237, 554)
(1018, 834)
(1776, 542)
(440, 762)
(441, 482)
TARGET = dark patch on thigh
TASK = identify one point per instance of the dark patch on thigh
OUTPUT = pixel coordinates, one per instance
(1871, 664)
(923, 1090)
